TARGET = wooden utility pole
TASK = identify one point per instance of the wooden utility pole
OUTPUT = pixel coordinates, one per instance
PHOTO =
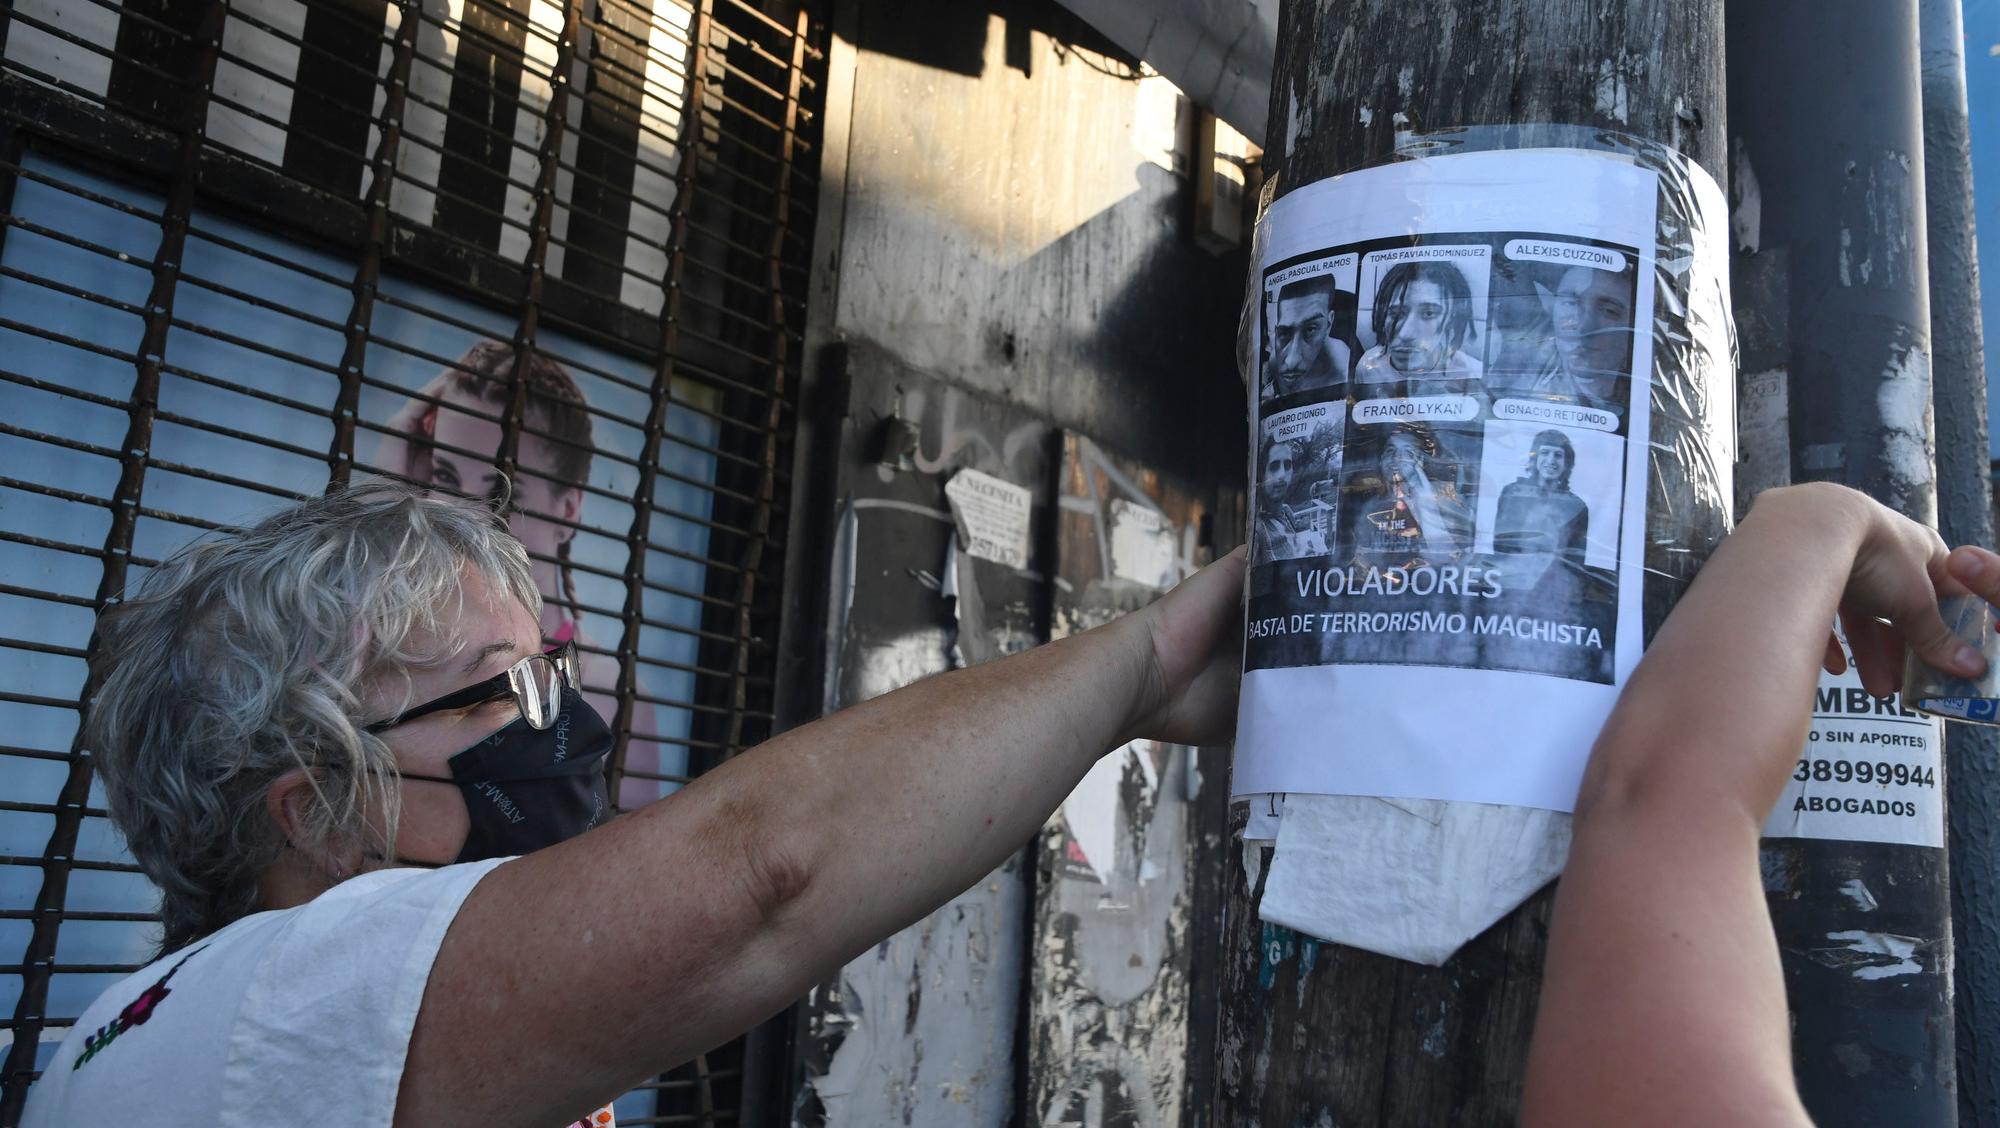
(1318, 1033)
(1965, 516)
(1832, 295)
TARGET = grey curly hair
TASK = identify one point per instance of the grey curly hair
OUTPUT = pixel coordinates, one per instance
(246, 655)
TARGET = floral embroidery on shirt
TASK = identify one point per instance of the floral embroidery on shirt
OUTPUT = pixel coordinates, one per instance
(135, 1013)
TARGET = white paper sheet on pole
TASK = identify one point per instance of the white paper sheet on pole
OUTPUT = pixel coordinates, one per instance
(1262, 825)
(1871, 770)
(1446, 575)
(1417, 877)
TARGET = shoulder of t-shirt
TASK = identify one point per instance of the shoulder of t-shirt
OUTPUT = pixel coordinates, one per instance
(356, 894)
(226, 945)
(363, 894)
(213, 975)
(339, 984)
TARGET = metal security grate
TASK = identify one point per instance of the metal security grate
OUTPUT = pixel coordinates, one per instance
(256, 248)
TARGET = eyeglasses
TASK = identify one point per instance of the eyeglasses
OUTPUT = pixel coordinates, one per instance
(536, 682)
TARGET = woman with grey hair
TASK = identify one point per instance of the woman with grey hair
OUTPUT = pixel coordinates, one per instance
(336, 743)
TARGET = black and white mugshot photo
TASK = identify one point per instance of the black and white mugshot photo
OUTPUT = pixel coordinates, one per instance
(1563, 331)
(1551, 496)
(1422, 321)
(1299, 461)
(1309, 313)
(1405, 501)
(1549, 515)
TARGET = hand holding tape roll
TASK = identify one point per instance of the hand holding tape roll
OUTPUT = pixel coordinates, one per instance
(1954, 694)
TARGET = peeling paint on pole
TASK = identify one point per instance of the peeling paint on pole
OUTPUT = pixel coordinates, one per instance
(1965, 499)
(904, 1049)
(1903, 401)
(1834, 291)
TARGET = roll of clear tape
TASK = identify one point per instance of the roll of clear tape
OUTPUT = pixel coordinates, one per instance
(1941, 694)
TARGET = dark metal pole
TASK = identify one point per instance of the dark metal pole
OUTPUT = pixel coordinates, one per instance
(1832, 288)
(1965, 516)
(1316, 1033)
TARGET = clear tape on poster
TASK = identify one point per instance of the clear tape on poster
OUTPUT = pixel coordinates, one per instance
(1492, 397)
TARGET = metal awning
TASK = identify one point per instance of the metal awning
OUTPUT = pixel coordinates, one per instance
(1219, 52)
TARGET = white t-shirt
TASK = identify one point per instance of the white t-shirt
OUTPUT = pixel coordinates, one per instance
(296, 1016)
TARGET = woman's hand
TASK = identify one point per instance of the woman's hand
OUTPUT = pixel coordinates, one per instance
(1899, 572)
(1191, 644)
(1747, 638)
(1664, 999)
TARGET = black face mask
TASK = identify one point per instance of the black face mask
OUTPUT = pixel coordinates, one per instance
(526, 788)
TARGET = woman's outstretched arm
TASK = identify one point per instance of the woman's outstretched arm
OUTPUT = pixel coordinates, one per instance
(1663, 1001)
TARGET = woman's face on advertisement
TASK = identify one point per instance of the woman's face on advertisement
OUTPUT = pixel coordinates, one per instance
(460, 462)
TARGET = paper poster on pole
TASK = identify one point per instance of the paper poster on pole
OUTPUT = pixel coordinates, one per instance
(1871, 770)
(1449, 480)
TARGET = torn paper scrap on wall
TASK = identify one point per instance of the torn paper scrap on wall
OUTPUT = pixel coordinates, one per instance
(992, 516)
(1143, 545)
